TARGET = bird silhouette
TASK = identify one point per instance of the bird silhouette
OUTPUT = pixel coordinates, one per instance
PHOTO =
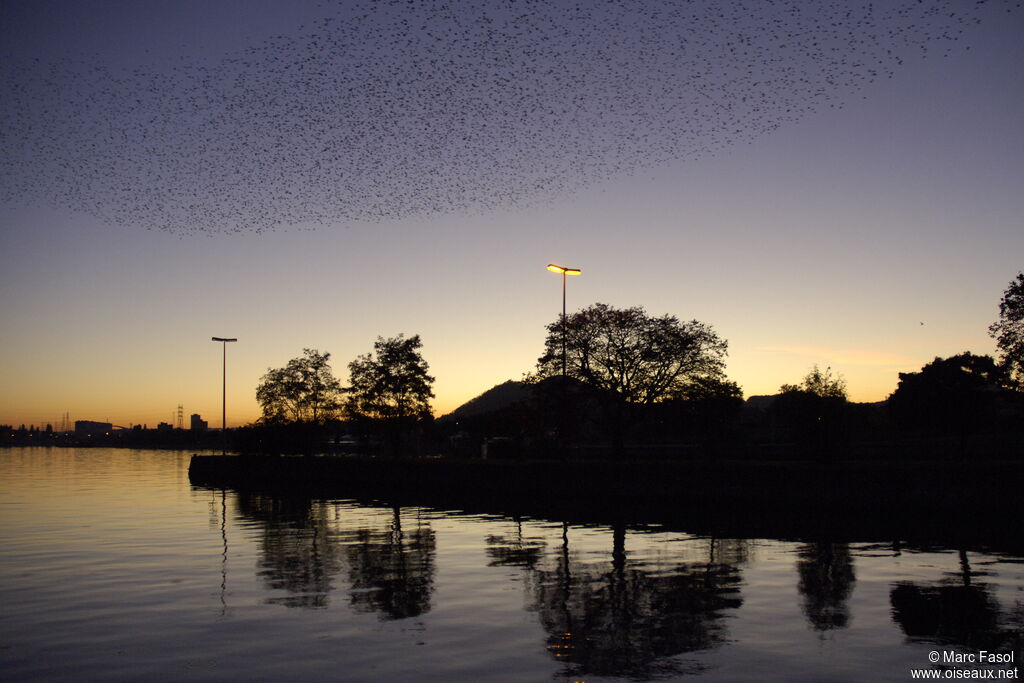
(393, 109)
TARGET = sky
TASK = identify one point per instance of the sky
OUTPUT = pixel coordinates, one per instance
(831, 184)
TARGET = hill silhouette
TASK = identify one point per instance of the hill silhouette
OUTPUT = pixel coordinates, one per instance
(496, 398)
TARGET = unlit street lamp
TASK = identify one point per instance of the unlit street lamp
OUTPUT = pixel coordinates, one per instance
(564, 271)
(224, 397)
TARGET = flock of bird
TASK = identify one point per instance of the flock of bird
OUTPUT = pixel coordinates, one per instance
(382, 110)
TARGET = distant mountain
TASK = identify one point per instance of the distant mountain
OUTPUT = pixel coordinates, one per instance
(495, 398)
(761, 403)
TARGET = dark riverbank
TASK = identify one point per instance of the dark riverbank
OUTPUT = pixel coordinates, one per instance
(169, 439)
(957, 502)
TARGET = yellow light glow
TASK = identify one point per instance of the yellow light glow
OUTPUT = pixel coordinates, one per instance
(554, 268)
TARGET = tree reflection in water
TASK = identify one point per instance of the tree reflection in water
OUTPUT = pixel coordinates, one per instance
(622, 617)
(296, 555)
(305, 546)
(515, 550)
(958, 611)
(391, 572)
(826, 582)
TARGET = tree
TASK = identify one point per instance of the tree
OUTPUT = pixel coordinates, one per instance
(955, 394)
(304, 390)
(819, 383)
(813, 413)
(631, 358)
(711, 406)
(390, 386)
(639, 358)
(1009, 330)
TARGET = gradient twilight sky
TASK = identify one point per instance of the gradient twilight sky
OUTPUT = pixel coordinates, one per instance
(825, 235)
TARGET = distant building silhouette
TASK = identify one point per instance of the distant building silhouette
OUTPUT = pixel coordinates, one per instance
(198, 424)
(165, 427)
(87, 428)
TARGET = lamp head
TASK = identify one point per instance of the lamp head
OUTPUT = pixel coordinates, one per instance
(562, 269)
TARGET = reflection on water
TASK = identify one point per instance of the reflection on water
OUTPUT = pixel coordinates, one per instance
(296, 555)
(623, 618)
(391, 571)
(960, 610)
(515, 550)
(826, 581)
(111, 559)
(305, 546)
(604, 613)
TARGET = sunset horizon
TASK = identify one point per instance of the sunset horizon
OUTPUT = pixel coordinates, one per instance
(866, 217)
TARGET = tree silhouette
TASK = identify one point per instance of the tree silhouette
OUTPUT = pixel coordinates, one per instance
(1008, 331)
(630, 358)
(390, 387)
(304, 390)
(708, 407)
(813, 412)
(819, 383)
(949, 394)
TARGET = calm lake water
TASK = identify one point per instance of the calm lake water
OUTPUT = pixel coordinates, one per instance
(113, 567)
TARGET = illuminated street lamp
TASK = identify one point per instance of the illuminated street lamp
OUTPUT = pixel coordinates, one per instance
(564, 271)
(224, 397)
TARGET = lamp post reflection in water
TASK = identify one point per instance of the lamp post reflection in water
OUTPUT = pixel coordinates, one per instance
(564, 271)
(224, 395)
(224, 557)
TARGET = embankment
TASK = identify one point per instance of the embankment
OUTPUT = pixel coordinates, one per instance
(958, 502)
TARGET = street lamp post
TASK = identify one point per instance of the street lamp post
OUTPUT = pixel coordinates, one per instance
(224, 396)
(564, 271)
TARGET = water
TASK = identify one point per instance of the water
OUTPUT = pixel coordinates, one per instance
(113, 567)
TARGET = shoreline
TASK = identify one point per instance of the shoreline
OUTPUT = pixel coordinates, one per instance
(967, 503)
